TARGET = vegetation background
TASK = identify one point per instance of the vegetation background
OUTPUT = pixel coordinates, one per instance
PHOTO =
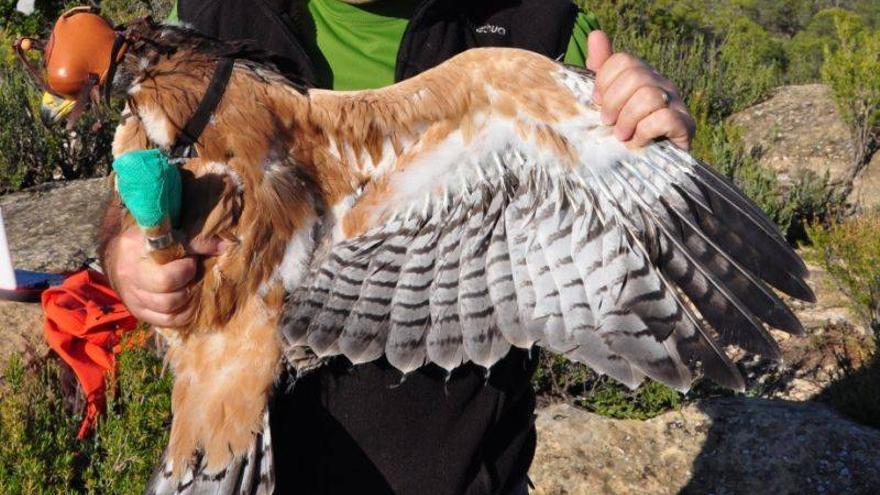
(725, 55)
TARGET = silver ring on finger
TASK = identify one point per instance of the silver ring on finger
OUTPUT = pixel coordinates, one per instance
(667, 98)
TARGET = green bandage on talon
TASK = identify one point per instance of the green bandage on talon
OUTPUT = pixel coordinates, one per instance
(149, 185)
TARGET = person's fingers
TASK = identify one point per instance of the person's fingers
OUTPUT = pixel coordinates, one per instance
(156, 294)
(670, 123)
(169, 302)
(210, 246)
(625, 88)
(169, 320)
(598, 50)
(170, 277)
(612, 68)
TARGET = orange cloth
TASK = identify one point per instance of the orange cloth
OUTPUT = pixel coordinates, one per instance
(84, 321)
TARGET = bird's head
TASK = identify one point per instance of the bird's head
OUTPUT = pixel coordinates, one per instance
(87, 60)
(78, 60)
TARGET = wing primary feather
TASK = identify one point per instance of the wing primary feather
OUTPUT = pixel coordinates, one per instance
(693, 344)
(748, 331)
(752, 291)
(749, 237)
(726, 201)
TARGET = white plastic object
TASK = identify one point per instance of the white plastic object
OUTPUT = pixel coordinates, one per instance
(7, 273)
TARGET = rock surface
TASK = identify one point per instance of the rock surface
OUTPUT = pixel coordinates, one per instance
(49, 228)
(21, 331)
(52, 227)
(799, 129)
(721, 446)
(866, 187)
(812, 362)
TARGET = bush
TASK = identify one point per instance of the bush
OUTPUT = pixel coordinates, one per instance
(806, 50)
(850, 252)
(124, 10)
(31, 152)
(14, 22)
(809, 199)
(47, 11)
(39, 452)
(753, 61)
(853, 72)
(559, 379)
(717, 74)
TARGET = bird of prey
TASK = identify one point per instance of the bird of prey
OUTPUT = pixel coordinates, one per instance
(442, 220)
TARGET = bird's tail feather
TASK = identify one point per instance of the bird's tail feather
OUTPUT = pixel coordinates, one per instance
(251, 474)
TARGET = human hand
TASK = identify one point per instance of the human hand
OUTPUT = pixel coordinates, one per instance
(641, 104)
(156, 294)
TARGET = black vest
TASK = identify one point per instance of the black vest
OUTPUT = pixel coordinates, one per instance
(359, 430)
(437, 31)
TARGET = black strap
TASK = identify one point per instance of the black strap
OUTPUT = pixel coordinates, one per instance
(118, 43)
(197, 123)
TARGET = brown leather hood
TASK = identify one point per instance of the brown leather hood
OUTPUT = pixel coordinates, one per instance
(78, 52)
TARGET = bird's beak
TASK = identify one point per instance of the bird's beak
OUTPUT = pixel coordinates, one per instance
(54, 108)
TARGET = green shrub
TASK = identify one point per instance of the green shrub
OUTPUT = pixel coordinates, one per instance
(39, 452)
(757, 43)
(14, 22)
(853, 72)
(753, 60)
(806, 50)
(31, 152)
(810, 198)
(611, 399)
(850, 252)
(38, 449)
(125, 10)
(717, 74)
(559, 379)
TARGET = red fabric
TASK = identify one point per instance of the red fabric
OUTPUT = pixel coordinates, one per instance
(84, 321)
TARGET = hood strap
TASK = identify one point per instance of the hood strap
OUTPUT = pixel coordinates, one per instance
(193, 129)
(119, 46)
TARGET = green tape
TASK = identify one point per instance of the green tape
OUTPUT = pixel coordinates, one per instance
(149, 186)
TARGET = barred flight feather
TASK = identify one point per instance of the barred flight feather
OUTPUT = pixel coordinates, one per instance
(249, 474)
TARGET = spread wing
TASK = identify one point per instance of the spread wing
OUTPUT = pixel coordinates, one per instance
(636, 263)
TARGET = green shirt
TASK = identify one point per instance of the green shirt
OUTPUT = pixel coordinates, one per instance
(357, 44)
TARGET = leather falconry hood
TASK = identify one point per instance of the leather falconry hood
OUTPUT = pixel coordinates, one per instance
(79, 56)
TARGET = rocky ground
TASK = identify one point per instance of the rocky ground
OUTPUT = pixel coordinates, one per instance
(773, 441)
(799, 129)
(49, 228)
(52, 227)
(770, 443)
(721, 447)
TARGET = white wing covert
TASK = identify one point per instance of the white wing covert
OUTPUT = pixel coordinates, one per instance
(636, 263)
